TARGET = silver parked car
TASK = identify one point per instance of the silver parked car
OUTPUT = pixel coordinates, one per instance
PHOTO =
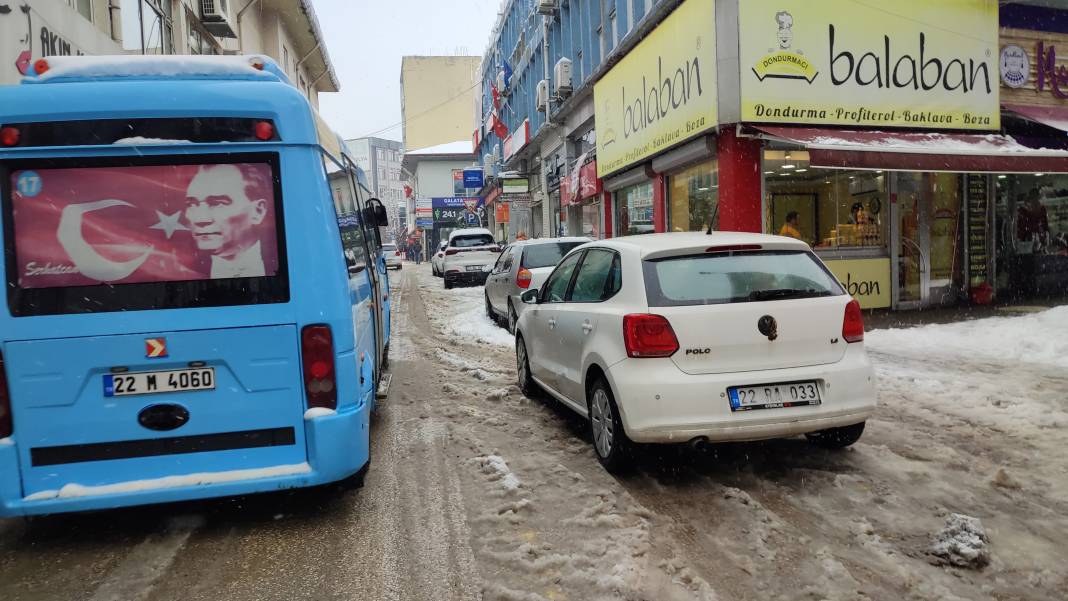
(392, 255)
(523, 265)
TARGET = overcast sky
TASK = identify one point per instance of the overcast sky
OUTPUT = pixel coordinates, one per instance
(366, 41)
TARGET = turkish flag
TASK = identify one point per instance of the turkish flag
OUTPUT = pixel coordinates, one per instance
(499, 127)
(496, 96)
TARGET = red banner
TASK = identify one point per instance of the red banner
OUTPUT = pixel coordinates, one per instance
(122, 225)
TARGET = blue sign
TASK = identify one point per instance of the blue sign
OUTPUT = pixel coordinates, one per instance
(458, 211)
(29, 184)
(473, 179)
(424, 222)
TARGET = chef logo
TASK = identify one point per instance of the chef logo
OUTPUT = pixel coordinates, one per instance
(783, 61)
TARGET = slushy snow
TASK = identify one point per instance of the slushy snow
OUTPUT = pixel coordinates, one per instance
(962, 542)
(461, 313)
(496, 466)
(141, 141)
(151, 66)
(6, 442)
(74, 490)
(315, 412)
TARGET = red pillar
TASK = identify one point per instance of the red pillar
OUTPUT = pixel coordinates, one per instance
(739, 182)
(659, 208)
(606, 206)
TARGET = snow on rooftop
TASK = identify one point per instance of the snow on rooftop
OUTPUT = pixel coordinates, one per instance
(114, 66)
(459, 147)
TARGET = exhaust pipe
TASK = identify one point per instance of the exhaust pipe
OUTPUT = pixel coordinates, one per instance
(698, 444)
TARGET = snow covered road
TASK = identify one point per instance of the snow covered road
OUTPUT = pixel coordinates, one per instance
(476, 492)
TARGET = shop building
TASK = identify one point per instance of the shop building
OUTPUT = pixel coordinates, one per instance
(34, 29)
(439, 202)
(925, 165)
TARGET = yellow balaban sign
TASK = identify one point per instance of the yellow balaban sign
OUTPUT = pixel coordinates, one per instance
(907, 63)
(867, 280)
(662, 92)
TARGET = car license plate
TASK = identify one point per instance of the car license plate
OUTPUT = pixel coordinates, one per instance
(774, 396)
(474, 268)
(155, 382)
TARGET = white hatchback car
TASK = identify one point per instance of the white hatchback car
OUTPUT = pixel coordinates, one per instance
(438, 260)
(690, 337)
(469, 256)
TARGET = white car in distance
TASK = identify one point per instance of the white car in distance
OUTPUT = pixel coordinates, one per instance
(690, 337)
(438, 259)
(470, 254)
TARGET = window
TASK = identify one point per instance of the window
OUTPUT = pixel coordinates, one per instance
(148, 28)
(693, 198)
(720, 278)
(634, 213)
(285, 58)
(196, 231)
(828, 208)
(546, 254)
(84, 7)
(598, 278)
(504, 262)
(556, 286)
(471, 241)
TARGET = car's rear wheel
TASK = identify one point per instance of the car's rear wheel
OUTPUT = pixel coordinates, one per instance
(513, 319)
(836, 438)
(448, 284)
(610, 442)
(526, 381)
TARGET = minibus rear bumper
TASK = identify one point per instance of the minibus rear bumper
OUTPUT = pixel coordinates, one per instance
(337, 448)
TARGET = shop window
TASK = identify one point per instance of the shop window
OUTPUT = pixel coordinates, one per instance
(827, 208)
(591, 221)
(634, 213)
(693, 197)
(1031, 229)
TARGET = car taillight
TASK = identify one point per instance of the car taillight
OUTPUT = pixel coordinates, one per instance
(523, 278)
(853, 323)
(317, 357)
(6, 423)
(397, 253)
(452, 251)
(648, 335)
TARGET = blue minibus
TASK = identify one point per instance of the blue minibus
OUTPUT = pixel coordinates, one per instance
(187, 315)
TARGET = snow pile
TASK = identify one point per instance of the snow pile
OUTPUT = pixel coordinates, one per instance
(497, 468)
(73, 490)
(962, 542)
(461, 313)
(151, 66)
(315, 412)
(6, 442)
(141, 141)
(1033, 338)
(926, 143)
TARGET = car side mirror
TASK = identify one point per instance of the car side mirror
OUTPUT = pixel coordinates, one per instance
(530, 297)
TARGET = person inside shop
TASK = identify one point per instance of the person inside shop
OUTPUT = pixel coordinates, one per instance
(522, 235)
(1032, 224)
(857, 214)
(792, 227)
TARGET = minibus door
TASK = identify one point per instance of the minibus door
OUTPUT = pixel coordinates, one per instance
(373, 247)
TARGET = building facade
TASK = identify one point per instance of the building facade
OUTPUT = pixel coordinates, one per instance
(381, 159)
(32, 29)
(437, 96)
(286, 30)
(919, 163)
(439, 203)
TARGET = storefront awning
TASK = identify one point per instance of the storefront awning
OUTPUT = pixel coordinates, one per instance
(915, 151)
(1054, 117)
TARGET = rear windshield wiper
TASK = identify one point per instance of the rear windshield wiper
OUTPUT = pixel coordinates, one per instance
(785, 293)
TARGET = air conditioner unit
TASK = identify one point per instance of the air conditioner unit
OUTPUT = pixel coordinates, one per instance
(215, 15)
(500, 84)
(548, 7)
(542, 102)
(562, 77)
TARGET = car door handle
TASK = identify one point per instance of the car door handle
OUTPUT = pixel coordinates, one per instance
(587, 327)
(552, 324)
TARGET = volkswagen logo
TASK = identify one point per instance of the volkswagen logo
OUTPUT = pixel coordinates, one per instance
(768, 327)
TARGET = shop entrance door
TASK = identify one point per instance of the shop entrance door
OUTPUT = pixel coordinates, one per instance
(910, 241)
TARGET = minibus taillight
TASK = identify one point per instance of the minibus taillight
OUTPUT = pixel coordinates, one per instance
(646, 335)
(6, 424)
(523, 278)
(317, 357)
(9, 136)
(853, 323)
(264, 130)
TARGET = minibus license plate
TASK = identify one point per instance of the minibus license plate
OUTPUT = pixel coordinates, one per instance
(774, 396)
(155, 382)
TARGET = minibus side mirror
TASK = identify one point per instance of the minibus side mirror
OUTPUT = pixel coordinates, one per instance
(375, 213)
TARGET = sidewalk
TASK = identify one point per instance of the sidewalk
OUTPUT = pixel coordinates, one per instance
(878, 319)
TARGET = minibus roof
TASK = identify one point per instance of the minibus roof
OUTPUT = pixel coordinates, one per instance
(151, 87)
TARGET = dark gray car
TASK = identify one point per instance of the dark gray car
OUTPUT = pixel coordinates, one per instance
(522, 266)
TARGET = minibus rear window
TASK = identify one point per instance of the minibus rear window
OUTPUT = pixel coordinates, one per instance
(121, 234)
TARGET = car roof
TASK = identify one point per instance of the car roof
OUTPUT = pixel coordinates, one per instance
(471, 231)
(565, 239)
(666, 243)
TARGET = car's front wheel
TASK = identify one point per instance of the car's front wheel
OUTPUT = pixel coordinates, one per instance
(836, 438)
(489, 310)
(526, 381)
(610, 442)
